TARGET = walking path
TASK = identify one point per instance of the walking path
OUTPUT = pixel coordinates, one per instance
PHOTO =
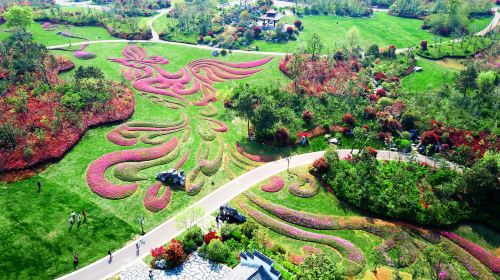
(150, 22)
(162, 234)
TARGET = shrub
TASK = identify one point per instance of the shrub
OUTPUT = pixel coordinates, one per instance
(373, 50)
(217, 251)
(174, 253)
(429, 138)
(320, 166)
(192, 239)
(248, 229)
(289, 30)
(297, 23)
(307, 116)
(85, 72)
(349, 119)
(230, 231)
(281, 137)
(278, 249)
(370, 113)
(210, 236)
(156, 252)
(423, 45)
(223, 52)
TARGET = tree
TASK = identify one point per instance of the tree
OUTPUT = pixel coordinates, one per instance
(486, 81)
(295, 69)
(373, 50)
(245, 17)
(189, 218)
(244, 103)
(318, 267)
(19, 17)
(352, 38)
(466, 79)
(314, 46)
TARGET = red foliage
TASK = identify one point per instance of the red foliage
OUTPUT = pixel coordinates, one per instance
(297, 23)
(320, 166)
(380, 76)
(429, 137)
(174, 253)
(281, 137)
(157, 251)
(44, 114)
(289, 30)
(307, 116)
(370, 113)
(381, 92)
(372, 151)
(318, 76)
(257, 30)
(373, 98)
(349, 119)
(211, 235)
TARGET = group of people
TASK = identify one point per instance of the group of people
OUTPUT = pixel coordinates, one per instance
(77, 218)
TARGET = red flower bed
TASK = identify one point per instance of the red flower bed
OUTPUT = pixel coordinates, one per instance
(257, 158)
(275, 184)
(154, 203)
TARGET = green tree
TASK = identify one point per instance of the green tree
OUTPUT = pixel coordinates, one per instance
(244, 103)
(19, 17)
(352, 38)
(314, 46)
(217, 251)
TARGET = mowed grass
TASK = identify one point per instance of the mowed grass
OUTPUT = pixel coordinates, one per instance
(382, 29)
(37, 243)
(433, 76)
(50, 38)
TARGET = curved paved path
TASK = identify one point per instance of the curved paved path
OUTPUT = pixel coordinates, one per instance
(162, 234)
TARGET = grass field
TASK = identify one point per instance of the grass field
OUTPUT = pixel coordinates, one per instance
(50, 38)
(433, 76)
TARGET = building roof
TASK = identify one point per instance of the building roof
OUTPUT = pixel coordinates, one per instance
(254, 266)
(269, 17)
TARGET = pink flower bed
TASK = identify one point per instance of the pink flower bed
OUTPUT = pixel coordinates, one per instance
(183, 160)
(487, 258)
(102, 187)
(115, 137)
(257, 158)
(219, 126)
(354, 260)
(203, 73)
(154, 203)
(310, 250)
(275, 184)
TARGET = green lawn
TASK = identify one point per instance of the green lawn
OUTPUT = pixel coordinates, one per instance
(382, 29)
(164, 25)
(50, 38)
(433, 76)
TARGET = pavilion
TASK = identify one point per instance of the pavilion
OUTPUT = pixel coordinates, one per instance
(271, 16)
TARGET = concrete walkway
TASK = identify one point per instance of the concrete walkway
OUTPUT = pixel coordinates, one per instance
(150, 22)
(162, 234)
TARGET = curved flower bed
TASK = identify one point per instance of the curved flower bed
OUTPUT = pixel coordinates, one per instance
(194, 186)
(205, 134)
(474, 266)
(183, 160)
(102, 187)
(209, 168)
(275, 184)
(84, 55)
(216, 125)
(305, 187)
(257, 158)
(230, 174)
(154, 203)
(354, 260)
(310, 250)
(209, 111)
(487, 258)
(129, 171)
(241, 159)
(186, 134)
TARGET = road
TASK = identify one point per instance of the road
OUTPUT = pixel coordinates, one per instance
(102, 269)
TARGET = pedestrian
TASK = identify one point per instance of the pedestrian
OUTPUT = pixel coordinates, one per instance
(137, 246)
(84, 214)
(78, 218)
(39, 185)
(217, 220)
(110, 255)
(71, 221)
(75, 260)
(73, 214)
(150, 274)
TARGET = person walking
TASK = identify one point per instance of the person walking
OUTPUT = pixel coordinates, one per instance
(84, 214)
(78, 219)
(71, 221)
(39, 185)
(75, 260)
(110, 256)
(150, 274)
